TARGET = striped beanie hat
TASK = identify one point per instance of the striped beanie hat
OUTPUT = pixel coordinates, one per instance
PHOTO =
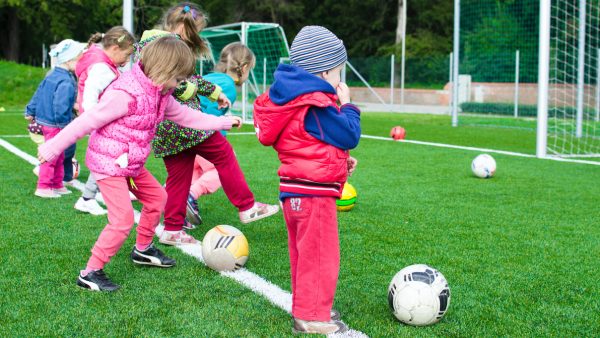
(316, 49)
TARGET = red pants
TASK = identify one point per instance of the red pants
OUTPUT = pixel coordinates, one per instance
(115, 191)
(314, 255)
(180, 168)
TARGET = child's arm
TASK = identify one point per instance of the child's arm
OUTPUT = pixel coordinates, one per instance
(197, 85)
(99, 77)
(31, 107)
(112, 106)
(190, 118)
(338, 128)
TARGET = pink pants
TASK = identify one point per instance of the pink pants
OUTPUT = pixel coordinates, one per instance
(205, 179)
(314, 255)
(115, 191)
(51, 172)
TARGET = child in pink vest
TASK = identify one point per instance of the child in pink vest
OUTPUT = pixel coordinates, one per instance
(122, 126)
(97, 69)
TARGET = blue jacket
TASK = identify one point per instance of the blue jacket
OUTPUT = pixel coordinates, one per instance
(227, 85)
(52, 103)
(338, 128)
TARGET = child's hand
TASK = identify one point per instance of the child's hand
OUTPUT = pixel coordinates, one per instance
(28, 117)
(352, 162)
(237, 121)
(343, 93)
(223, 101)
(41, 158)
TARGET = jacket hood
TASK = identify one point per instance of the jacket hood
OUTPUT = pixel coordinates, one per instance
(292, 81)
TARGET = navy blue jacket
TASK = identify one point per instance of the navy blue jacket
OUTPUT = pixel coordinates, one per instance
(52, 103)
(338, 128)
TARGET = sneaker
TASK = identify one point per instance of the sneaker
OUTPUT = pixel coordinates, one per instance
(313, 326)
(46, 193)
(187, 225)
(90, 206)
(151, 256)
(96, 281)
(176, 238)
(62, 191)
(192, 211)
(258, 211)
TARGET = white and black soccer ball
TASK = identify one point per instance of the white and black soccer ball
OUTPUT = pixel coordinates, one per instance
(225, 248)
(483, 166)
(419, 295)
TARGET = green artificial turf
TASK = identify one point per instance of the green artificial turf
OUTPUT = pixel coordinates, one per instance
(519, 250)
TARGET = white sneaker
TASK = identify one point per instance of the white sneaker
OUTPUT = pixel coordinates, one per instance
(90, 206)
(46, 193)
(62, 191)
(176, 238)
(258, 211)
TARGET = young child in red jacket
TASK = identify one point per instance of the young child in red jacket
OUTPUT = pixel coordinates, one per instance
(300, 118)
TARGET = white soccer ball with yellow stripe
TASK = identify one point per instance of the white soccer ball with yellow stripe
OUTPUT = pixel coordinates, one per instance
(225, 248)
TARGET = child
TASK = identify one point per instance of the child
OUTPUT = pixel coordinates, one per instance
(299, 117)
(123, 124)
(52, 107)
(96, 69)
(235, 63)
(179, 146)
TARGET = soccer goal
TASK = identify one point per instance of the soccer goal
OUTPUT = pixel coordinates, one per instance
(270, 46)
(569, 79)
(533, 65)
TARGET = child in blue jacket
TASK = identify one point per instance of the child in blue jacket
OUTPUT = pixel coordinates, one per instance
(52, 107)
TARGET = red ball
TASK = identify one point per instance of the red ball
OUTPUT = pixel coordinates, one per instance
(398, 133)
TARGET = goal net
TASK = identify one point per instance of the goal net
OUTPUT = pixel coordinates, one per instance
(573, 95)
(269, 44)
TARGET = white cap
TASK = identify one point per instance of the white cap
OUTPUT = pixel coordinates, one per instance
(67, 50)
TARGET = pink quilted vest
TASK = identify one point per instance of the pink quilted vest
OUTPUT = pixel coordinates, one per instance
(131, 133)
(90, 57)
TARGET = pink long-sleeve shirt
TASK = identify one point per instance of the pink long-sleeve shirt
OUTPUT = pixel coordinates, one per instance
(114, 105)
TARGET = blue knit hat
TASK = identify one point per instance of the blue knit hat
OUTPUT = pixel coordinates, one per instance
(316, 49)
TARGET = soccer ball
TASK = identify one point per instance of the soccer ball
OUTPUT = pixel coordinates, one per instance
(348, 199)
(483, 166)
(225, 248)
(398, 133)
(75, 168)
(419, 295)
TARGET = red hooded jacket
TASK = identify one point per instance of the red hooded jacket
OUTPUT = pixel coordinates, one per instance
(308, 166)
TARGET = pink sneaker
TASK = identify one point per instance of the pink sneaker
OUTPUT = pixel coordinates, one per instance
(62, 191)
(176, 238)
(258, 211)
(46, 193)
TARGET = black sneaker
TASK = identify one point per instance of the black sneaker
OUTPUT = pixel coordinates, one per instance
(192, 213)
(151, 256)
(96, 281)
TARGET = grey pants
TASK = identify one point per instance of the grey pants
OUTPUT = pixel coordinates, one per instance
(91, 188)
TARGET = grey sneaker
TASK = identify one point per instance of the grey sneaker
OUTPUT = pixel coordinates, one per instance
(335, 314)
(313, 326)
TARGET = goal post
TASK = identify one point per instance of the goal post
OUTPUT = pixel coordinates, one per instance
(269, 44)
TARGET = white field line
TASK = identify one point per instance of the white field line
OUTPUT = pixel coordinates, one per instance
(14, 136)
(277, 296)
(510, 153)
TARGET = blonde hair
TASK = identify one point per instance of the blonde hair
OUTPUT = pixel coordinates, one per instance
(166, 58)
(234, 57)
(194, 21)
(116, 36)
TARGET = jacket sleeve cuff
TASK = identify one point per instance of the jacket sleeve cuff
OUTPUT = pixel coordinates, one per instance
(190, 90)
(215, 95)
